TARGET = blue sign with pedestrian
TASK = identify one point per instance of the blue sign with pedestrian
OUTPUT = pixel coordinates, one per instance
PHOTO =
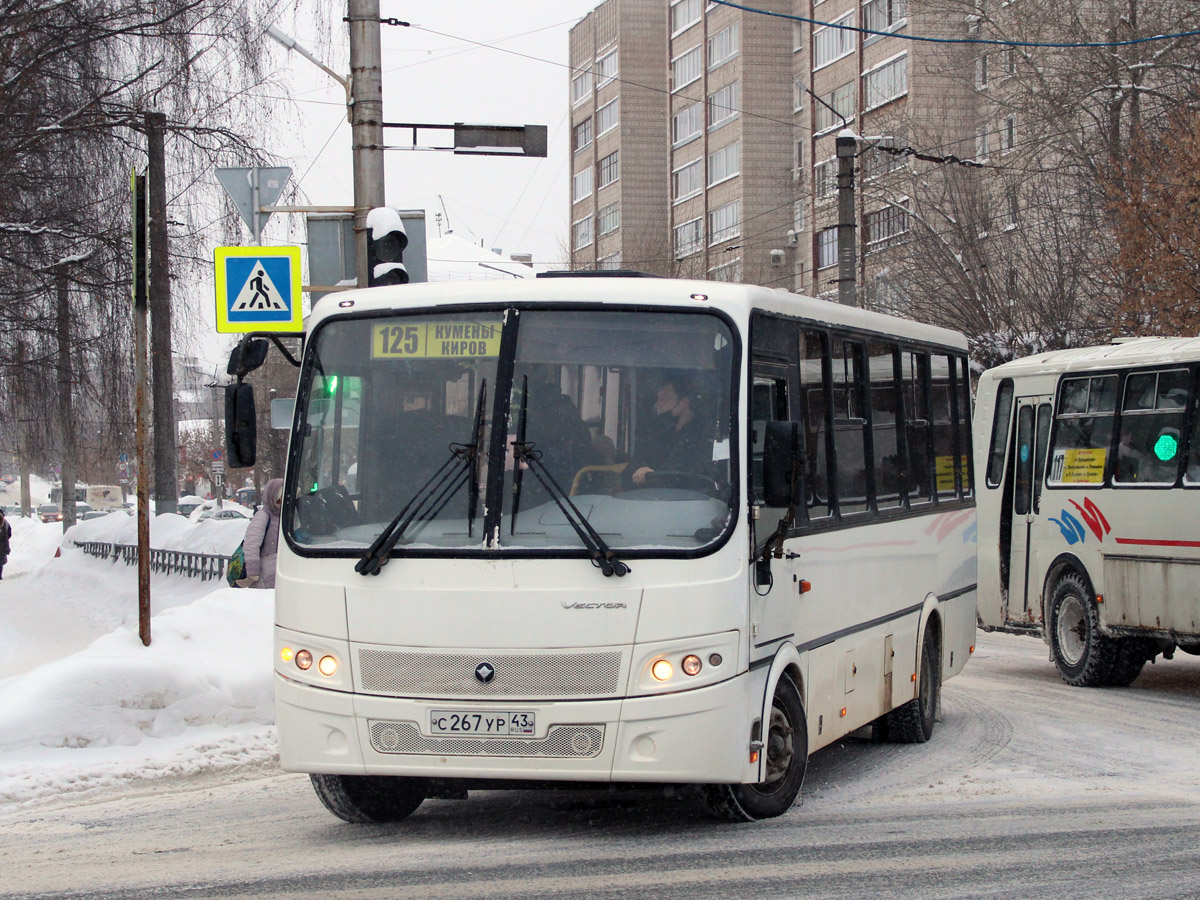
(258, 289)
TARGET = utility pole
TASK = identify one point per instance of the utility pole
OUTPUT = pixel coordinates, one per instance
(366, 121)
(847, 148)
(63, 329)
(140, 309)
(22, 414)
(166, 487)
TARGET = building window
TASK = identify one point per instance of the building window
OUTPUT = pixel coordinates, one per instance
(1008, 133)
(689, 237)
(724, 163)
(723, 105)
(606, 69)
(827, 249)
(686, 68)
(724, 222)
(825, 178)
(981, 142)
(581, 87)
(798, 216)
(688, 180)
(581, 184)
(883, 15)
(581, 232)
(877, 161)
(885, 82)
(981, 72)
(831, 42)
(687, 124)
(606, 118)
(797, 37)
(730, 271)
(797, 95)
(798, 157)
(582, 134)
(608, 219)
(612, 261)
(885, 228)
(1008, 62)
(684, 14)
(723, 46)
(610, 168)
(841, 99)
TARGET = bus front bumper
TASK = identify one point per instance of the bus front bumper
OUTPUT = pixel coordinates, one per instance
(697, 736)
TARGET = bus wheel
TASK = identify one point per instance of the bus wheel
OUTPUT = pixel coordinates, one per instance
(785, 747)
(366, 799)
(1084, 656)
(913, 722)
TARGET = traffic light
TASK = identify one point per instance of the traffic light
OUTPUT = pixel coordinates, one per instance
(386, 240)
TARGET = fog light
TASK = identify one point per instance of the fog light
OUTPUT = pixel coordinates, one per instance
(327, 665)
(303, 659)
(691, 664)
(715, 659)
(661, 670)
(286, 654)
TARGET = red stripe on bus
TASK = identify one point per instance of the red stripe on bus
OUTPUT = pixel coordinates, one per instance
(1147, 542)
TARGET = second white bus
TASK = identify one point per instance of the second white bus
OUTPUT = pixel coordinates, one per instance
(1089, 520)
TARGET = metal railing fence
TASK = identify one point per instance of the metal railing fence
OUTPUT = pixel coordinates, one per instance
(205, 566)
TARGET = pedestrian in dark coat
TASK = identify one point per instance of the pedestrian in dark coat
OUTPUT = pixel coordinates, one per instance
(5, 541)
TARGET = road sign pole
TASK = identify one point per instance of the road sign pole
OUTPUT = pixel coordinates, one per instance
(256, 205)
(140, 303)
(366, 111)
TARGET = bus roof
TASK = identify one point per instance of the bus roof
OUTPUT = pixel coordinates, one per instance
(1121, 354)
(738, 300)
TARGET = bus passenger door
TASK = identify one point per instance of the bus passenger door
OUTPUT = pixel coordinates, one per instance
(1027, 472)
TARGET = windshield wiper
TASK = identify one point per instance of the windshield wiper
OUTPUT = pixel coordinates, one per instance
(602, 555)
(431, 498)
(518, 472)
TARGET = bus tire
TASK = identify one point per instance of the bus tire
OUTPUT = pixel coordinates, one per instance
(1084, 656)
(913, 722)
(369, 799)
(1131, 656)
(786, 749)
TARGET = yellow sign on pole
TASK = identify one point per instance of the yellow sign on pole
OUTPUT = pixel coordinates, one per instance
(258, 289)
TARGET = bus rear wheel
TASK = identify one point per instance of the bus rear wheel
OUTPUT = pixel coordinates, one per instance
(913, 722)
(1084, 656)
(369, 799)
(785, 747)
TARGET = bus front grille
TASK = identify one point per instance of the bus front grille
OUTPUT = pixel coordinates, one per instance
(569, 741)
(541, 676)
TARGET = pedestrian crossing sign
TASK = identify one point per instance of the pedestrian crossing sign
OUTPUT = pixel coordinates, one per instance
(258, 289)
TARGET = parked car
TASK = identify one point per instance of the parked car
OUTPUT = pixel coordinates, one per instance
(222, 514)
(188, 504)
(94, 514)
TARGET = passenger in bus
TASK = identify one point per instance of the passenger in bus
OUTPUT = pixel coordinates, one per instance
(674, 437)
(1129, 458)
(554, 426)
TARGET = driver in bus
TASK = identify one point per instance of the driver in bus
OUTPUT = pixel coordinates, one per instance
(673, 438)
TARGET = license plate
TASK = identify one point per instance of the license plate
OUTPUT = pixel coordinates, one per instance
(461, 721)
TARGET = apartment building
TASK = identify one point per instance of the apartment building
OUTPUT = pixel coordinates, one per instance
(737, 168)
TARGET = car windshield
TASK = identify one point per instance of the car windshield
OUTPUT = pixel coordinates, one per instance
(619, 417)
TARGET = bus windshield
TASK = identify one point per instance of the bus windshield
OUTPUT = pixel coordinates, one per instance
(621, 418)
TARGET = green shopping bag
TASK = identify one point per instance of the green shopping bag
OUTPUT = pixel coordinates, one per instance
(237, 566)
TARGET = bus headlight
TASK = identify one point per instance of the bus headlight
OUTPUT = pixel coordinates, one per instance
(691, 664)
(303, 660)
(327, 666)
(662, 670)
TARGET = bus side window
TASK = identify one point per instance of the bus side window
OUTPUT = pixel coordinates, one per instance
(914, 380)
(965, 457)
(1001, 419)
(887, 440)
(1041, 440)
(815, 414)
(1151, 427)
(945, 465)
(1191, 473)
(1084, 430)
(849, 426)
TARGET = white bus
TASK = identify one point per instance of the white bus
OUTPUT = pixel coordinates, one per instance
(1088, 526)
(616, 530)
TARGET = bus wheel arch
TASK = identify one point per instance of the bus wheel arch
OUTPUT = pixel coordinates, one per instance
(1083, 654)
(913, 721)
(783, 739)
(1063, 564)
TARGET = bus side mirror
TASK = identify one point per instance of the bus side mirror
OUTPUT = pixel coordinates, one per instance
(247, 356)
(783, 464)
(241, 426)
